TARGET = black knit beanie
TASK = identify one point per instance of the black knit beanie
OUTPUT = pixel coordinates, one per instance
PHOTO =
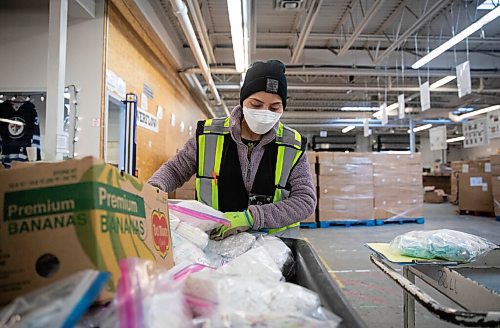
(268, 76)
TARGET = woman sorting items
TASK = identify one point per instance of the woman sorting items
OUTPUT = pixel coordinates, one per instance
(248, 165)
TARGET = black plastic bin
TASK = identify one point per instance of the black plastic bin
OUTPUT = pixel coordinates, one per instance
(309, 272)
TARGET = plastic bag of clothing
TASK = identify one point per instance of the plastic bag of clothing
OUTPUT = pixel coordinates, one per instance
(198, 215)
(60, 304)
(444, 244)
(256, 263)
(242, 300)
(279, 251)
(148, 296)
(232, 246)
(186, 251)
(192, 234)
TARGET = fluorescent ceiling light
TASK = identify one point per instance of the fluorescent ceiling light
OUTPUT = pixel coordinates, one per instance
(488, 5)
(387, 109)
(462, 138)
(457, 38)
(358, 109)
(348, 128)
(421, 128)
(478, 112)
(236, 21)
(442, 82)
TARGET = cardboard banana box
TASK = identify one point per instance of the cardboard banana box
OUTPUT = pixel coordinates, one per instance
(60, 218)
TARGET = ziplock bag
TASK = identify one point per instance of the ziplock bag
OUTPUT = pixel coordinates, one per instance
(198, 215)
(60, 304)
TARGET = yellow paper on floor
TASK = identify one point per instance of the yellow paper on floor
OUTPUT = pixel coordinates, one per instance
(385, 250)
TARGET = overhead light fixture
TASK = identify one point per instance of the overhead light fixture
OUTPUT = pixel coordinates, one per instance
(358, 109)
(442, 82)
(478, 112)
(421, 128)
(493, 14)
(236, 22)
(462, 138)
(348, 128)
(488, 5)
(388, 109)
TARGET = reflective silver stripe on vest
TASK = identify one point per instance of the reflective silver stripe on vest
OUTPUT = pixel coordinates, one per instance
(205, 191)
(216, 127)
(291, 148)
(211, 133)
(288, 138)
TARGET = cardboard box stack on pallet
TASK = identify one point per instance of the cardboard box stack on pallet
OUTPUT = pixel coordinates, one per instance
(398, 186)
(345, 186)
(312, 158)
(495, 183)
(474, 187)
(456, 168)
(186, 191)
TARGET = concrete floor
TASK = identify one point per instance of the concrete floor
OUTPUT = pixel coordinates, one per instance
(378, 299)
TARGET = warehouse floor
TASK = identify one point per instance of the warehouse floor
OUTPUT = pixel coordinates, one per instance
(375, 296)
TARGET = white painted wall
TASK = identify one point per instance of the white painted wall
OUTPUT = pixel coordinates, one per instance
(23, 59)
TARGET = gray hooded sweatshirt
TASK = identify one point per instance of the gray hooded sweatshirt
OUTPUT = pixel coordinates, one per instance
(300, 204)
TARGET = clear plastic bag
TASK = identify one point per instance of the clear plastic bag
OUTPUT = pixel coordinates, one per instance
(185, 251)
(193, 234)
(150, 297)
(60, 304)
(198, 215)
(232, 246)
(243, 301)
(450, 245)
(279, 251)
(256, 263)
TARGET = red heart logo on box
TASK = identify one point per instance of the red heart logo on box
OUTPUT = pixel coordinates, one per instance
(161, 233)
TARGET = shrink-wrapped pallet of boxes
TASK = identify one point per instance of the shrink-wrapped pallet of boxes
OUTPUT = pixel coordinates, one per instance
(475, 187)
(345, 186)
(398, 186)
(312, 159)
(495, 183)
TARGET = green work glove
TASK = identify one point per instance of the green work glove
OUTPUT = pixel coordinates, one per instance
(240, 221)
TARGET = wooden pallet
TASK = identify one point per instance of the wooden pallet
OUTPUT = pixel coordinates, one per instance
(346, 223)
(400, 221)
(476, 213)
(309, 225)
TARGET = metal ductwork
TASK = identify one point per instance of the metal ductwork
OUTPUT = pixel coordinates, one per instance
(181, 12)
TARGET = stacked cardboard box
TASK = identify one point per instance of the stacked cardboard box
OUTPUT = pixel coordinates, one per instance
(186, 191)
(312, 159)
(433, 195)
(456, 168)
(495, 182)
(398, 186)
(345, 186)
(474, 187)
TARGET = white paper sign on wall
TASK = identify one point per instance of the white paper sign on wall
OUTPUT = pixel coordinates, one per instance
(463, 79)
(493, 119)
(182, 126)
(159, 112)
(437, 137)
(425, 96)
(401, 106)
(323, 134)
(475, 133)
(144, 102)
(147, 120)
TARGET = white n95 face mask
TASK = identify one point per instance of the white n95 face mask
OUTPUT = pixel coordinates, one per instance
(260, 121)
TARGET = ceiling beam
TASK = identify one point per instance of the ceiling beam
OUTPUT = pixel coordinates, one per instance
(201, 29)
(360, 71)
(360, 27)
(306, 30)
(395, 13)
(435, 8)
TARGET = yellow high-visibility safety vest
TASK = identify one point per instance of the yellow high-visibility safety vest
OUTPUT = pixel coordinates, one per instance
(210, 150)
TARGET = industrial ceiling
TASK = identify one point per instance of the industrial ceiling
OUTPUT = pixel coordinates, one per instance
(342, 53)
